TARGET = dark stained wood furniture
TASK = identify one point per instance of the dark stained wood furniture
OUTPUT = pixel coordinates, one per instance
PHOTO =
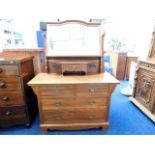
(144, 88)
(37, 53)
(17, 101)
(121, 66)
(73, 102)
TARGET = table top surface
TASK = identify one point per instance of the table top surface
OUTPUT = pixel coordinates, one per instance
(46, 79)
(7, 58)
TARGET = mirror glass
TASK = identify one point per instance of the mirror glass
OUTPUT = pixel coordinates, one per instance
(73, 40)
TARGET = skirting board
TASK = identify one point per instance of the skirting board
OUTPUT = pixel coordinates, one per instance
(143, 109)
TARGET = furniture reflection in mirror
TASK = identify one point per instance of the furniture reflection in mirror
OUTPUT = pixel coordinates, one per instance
(74, 45)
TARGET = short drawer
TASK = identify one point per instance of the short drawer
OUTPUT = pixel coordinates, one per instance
(74, 67)
(49, 103)
(57, 90)
(76, 115)
(92, 90)
(11, 83)
(12, 113)
(9, 70)
(9, 98)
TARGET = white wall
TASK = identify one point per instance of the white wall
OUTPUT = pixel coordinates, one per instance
(135, 33)
(28, 28)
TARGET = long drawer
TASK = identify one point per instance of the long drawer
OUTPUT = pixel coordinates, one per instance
(9, 98)
(49, 102)
(93, 90)
(9, 70)
(57, 90)
(12, 113)
(85, 90)
(11, 83)
(75, 115)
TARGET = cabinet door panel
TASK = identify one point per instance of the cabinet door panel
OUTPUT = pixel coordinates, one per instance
(145, 87)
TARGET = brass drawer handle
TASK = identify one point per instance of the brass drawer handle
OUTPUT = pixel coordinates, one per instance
(2, 85)
(90, 116)
(1, 70)
(8, 113)
(56, 89)
(58, 117)
(5, 98)
(57, 104)
(92, 102)
(92, 90)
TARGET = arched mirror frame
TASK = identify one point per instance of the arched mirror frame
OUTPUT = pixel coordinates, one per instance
(87, 24)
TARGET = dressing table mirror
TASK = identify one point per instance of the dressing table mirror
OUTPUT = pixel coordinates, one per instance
(74, 102)
(74, 47)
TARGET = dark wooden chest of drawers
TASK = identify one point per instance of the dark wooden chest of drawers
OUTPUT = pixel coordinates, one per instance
(73, 102)
(17, 101)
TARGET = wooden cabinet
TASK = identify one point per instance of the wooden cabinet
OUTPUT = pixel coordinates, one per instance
(144, 93)
(17, 101)
(144, 87)
(121, 66)
(118, 63)
(37, 53)
(73, 102)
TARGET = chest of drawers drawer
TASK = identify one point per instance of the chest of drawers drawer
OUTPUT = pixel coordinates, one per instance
(92, 90)
(12, 113)
(6, 70)
(9, 98)
(86, 115)
(10, 83)
(74, 67)
(57, 90)
(50, 103)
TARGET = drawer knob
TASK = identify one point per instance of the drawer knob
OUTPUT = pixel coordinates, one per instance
(2, 85)
(1, 70)
(57, 103)
(5, 98)
(56, 89)
(8, 113)
(92, 102)
(92, 90)
(58, 117)
(90, 116)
